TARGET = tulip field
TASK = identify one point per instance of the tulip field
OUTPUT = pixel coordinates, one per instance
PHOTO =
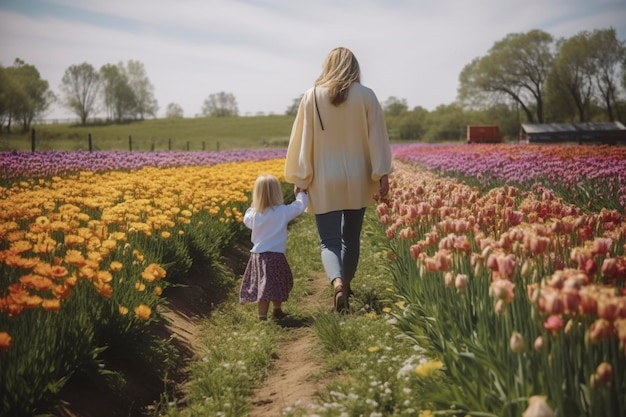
(513, 270)
(88, 244)
(510, 261)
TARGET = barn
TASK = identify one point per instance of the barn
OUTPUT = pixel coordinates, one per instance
(611, 133)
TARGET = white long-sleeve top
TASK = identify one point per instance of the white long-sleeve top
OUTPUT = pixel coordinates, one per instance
(269, 229)
(340, 166)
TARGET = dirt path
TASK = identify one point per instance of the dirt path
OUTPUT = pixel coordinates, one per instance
(294, 379)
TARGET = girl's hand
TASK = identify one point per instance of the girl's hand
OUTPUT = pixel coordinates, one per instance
(384, 186)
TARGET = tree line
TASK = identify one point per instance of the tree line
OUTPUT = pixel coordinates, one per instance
(122, 91)
(525, 77)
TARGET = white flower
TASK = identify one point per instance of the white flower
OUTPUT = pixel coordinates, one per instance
(537, 407)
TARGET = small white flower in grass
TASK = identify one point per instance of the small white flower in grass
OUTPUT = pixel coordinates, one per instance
(371, 402)
(406, 391)
(405, 370)
(375, 414)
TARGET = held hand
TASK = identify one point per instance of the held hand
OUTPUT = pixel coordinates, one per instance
(297, 190)
(384, 186)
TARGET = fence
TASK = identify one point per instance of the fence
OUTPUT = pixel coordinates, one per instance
(131, 144)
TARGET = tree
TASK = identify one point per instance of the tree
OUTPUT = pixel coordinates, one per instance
(4, 98)
(516, 67)
(142, 88)
(293, 109)
(27, 95)
(220, 104)
(173, 110)
(608, 59)
(119, 98)
(570, 83)
(394, 106)
(446, 123)
(80, 86)
(411, 125)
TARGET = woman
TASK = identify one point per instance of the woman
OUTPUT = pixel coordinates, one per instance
(339, 152)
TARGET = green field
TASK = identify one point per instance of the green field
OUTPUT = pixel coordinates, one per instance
(193, 134)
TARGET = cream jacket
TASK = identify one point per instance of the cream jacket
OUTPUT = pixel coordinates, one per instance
(342, 164)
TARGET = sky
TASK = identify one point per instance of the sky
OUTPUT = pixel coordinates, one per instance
(268, 52)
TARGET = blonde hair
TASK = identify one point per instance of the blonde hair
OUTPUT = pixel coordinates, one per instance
(267, 193)
(339, 71)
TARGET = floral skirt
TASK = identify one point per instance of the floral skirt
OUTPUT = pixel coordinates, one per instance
(267, 277)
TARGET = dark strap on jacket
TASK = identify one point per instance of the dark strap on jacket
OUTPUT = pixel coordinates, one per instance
(319, 116)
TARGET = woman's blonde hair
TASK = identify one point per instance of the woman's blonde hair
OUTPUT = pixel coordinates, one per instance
(339, 71)
(267, 193)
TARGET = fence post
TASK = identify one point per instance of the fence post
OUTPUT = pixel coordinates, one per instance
(203, 146)
(218, 145)
(89, 137)
(152, 147)
(130, 143)
(32, 140)
(169, 144)
(187, 146)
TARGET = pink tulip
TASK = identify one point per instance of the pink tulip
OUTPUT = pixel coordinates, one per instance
(601, 246)
(460, 282)
(600, 329)
(553, 323)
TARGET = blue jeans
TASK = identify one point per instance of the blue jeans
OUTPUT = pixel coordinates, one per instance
(340, 241)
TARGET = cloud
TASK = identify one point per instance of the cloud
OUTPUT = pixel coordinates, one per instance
(267, 52)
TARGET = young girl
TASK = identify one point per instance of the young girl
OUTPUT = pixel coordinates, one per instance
(268, 277)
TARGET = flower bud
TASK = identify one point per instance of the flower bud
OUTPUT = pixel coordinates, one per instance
(538, 345)
(517, 343)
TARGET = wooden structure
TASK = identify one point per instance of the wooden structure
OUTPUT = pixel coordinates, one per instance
(483, 134)
(611, 133)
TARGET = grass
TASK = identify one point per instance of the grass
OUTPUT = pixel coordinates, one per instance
(368, 366)
(204, 133)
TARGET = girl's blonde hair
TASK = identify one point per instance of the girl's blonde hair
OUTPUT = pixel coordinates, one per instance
(267, 193)
(339, 71)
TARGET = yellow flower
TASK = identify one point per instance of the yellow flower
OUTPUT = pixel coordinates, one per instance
(5, 340)
(165, 235)
(143, 311)
(426, 413)
(103, 276)
(20, 246)
(74, 257)
(400, 303)
(152, 272)
(428, 368)
(373, 349)
(138, 255)
(116, 266)
(140, 286)
(371, 315)
(158, 290)
(387, 310)
(123, 310)
(51, 304)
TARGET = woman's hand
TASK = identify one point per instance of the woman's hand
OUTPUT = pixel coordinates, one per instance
(384, 186)
(297, 190)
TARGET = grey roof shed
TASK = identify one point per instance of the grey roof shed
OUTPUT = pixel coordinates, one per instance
(591, 132)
